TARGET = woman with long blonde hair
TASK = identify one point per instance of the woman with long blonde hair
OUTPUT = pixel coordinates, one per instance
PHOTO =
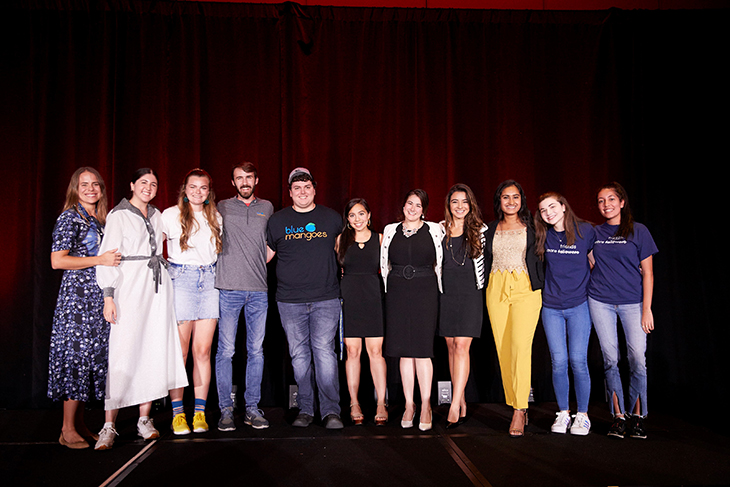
(79, 340)
(193, 233)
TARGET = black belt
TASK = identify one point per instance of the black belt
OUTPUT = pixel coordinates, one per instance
(409, 271)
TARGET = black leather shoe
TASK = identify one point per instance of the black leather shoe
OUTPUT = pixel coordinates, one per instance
(333, 422)
(303, 420)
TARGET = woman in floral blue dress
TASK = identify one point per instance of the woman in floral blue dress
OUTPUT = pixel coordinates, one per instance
(78, 357)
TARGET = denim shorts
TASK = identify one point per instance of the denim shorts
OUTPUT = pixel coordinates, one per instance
(196, 297)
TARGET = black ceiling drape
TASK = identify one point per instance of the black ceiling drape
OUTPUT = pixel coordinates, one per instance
(374, 101)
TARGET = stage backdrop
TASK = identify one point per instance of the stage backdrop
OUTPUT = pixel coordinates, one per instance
(375, 102)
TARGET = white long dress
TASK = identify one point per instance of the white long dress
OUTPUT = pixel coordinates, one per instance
(145, 357)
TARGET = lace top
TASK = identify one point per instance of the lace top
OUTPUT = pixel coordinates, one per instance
(508, 250)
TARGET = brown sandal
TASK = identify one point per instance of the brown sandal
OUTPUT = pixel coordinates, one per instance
(381, 419)
(518, 432)
(357, 418)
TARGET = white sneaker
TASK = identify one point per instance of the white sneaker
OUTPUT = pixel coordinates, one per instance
(146, 429)
(106, 438)
(581, 425)
(562, 422)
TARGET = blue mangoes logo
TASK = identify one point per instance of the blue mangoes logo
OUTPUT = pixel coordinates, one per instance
(307, 232)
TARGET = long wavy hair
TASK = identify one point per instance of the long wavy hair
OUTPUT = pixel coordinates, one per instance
(570, 222)
(72, 193)
(626, 227)
(472, 222)
(347, 237)
(524, 214)
(187, 215)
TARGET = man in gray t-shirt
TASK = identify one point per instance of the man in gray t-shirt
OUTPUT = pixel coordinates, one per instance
(241, 279)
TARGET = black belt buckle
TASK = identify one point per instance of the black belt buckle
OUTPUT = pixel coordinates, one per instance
(409, 272)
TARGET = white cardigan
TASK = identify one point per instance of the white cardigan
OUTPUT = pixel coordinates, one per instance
(437, 234)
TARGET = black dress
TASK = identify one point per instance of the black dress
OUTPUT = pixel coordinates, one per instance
(411, 303)
(462, 304)
(362, 290)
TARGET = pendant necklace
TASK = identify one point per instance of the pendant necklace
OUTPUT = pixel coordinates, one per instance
(451, 249)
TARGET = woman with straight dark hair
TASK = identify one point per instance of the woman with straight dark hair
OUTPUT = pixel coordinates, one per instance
(410, 263)
(79, 339)
(514, 295)
(358, 253)
(145, 358)
(461, 307)
(192, 230)
(622, 285)
(564, 243)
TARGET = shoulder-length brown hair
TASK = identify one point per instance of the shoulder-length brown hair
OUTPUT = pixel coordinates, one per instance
(472, 223)
(187, 216)
(570, 222)
(72, 193)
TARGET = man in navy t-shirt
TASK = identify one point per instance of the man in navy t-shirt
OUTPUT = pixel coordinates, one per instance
(303, 238)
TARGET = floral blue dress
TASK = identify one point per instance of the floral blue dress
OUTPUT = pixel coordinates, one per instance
(80, 336)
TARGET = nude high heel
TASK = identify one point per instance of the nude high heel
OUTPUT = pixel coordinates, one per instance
(357, 418)
(381, 419)
(515, 432)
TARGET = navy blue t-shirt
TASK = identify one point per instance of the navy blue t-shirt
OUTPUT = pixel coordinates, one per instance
(567, 270)
(306, 268)
(616, 277)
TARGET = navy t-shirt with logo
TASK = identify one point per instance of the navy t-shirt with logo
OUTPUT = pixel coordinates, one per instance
(567, 271)
(306, 268)
(616, 278)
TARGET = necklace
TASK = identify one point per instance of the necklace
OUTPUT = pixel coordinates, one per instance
(451, 249)
(409, 232)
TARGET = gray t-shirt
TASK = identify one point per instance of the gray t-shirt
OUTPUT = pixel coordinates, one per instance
(242, 262)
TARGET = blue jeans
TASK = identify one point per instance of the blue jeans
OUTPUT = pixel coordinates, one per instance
(255, 306)
(604, 320)
(568, 332)
(310, 330)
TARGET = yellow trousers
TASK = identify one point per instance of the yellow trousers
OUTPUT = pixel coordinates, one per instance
(514, 309)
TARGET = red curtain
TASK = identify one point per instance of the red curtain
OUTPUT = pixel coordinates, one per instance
(375, 102)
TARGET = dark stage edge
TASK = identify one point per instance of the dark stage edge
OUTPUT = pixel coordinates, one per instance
(478, 452)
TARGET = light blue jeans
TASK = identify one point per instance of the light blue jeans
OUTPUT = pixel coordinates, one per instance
(310, 330)
(255, 306)
(568, 332)
(604, 320)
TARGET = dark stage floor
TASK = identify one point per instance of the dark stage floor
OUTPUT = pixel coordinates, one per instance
(478, 452)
